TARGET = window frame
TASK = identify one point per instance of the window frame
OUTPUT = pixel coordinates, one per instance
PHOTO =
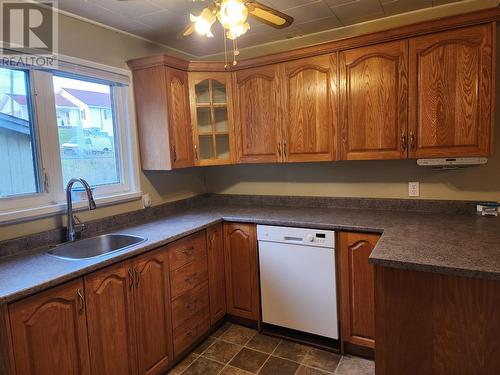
(51, 198)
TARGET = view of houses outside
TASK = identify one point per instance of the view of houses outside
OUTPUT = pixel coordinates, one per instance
(85, 126)
(86, 131)
(17, 162)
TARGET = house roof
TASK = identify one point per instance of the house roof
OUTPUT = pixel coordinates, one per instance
(91, 98)
(61, 101)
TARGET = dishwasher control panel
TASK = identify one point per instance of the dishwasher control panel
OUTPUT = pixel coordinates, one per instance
(304, 236)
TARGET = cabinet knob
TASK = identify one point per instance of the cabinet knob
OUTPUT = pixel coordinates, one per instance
(413, 141)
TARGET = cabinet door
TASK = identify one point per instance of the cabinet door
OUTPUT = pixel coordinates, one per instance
(211, 118)
(216, 277)
(152, 311)
(374, 102)
(357, 288)
(49, 332)
(111, 320)
(309, 109)
(451, 79)
(179, 122)
(242, 285)
(257, 118)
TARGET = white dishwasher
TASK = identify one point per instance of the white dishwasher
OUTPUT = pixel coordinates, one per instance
(297, 279)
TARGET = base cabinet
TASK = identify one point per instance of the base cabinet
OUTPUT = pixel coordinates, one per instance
(49, 332)
(357, 305)
(216, 276)
(241, 263)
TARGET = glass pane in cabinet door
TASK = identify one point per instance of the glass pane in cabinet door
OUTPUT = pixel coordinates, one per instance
(202, 92)
(219, 92)
(220, 119)
(204, 121)
(206, 147)
(222, 146)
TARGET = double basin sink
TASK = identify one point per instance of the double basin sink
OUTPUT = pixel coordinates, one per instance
(95, 246)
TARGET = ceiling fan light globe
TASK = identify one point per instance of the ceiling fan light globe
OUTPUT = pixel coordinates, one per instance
(203, 23)
(232, 13)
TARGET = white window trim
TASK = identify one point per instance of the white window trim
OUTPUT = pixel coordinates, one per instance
(53, 202)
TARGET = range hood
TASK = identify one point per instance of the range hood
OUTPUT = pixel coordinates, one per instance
(451, 163)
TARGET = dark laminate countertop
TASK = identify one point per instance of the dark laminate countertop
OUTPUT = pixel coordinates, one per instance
(464, 245)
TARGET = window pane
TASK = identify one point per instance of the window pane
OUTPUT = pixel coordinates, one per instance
(17, 149)
(85, 122)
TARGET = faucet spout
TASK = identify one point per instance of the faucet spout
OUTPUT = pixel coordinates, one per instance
(71, 231)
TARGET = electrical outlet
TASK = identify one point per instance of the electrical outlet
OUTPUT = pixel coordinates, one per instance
(413, 189)
(146, 201)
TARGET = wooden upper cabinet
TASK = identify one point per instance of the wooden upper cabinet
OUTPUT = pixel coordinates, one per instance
(163, 119)
(111, 320)
(242, 284)
(216, 272)
(212, 117)
(374, 102)
(309, 95)
(49, 332)
(451, 97)
(257, 116)
(152, 312)
(357, 306)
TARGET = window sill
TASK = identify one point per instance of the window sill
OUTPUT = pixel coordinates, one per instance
(32, 213)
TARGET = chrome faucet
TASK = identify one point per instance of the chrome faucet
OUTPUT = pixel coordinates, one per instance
(74, 228)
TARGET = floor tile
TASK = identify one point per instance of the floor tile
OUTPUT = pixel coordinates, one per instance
(238, 334)
(183, 364)
(229, 370)
(304, 370)
(222, 351)
(279, 366)
(204, 345)
(355, 366)
(222, 329)
(263, 343)
(203, 366)
(322, 359)
(249, 360)
(292, 351)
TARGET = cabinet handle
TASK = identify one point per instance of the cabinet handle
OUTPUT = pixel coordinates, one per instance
(137, 277)
(81, 300)
(279, 151)
(196, 152)
(413, 143)
(403, 142)
(284, 149)
(174, 153)
(130, 278)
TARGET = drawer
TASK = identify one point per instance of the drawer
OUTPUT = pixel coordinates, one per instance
(188, 277)
(187, 333)
(187, 250)
(189, 304)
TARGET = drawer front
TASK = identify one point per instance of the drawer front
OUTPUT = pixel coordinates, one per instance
(187, 250)
(189, 304)
(188, 277)
(187, 333)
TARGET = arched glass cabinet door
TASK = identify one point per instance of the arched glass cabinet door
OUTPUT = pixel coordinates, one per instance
(210, 117)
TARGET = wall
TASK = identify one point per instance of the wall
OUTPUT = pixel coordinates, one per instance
(88, 41)
(373, 179)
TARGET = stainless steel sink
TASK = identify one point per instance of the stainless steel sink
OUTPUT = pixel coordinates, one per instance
(96, 246)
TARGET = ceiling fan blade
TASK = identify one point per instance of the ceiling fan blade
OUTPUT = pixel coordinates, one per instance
(188, 30)
(269, 16)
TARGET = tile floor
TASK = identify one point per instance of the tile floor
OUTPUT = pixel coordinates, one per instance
(238, 350)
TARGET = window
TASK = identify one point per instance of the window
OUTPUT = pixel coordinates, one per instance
(88, 147)
(77, 125)
(18, 163)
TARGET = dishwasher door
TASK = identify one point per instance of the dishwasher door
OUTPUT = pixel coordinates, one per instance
(298, 287)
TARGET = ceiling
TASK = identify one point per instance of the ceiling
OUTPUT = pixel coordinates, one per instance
(162, 20)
